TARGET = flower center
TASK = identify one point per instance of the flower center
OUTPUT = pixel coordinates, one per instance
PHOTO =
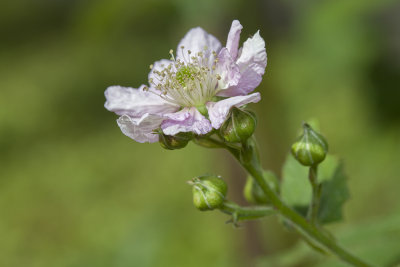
(185, 75)
(188, 81)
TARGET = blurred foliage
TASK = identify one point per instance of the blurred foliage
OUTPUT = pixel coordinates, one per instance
(74, 191)
(296, 189)
(375, 241)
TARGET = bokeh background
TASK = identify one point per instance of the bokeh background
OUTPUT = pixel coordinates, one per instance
(74, 191)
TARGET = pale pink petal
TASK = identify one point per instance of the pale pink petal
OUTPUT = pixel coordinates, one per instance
(252, 62)
(219, 111)
(158, 66)
(186, 120)
(227, 69)
(135, 102)
(248, 82)
(140, 129)
(253, 54)
(197, 40)
(232, 44)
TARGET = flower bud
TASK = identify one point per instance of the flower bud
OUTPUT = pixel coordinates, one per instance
(253, 192)
(208, 192)
(239, 126)
(311, 148)
(177, 141)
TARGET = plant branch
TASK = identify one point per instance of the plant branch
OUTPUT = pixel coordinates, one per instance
(316, 194)
(249, 159)
(240, 213)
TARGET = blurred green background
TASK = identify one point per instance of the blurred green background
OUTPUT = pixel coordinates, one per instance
(74, 191)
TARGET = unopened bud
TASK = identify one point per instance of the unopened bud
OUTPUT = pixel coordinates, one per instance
(253, 192)
(208, 192)
(311, 148)
(239, 126)
(177, 141)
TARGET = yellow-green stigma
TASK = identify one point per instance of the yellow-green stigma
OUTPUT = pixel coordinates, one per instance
(188, 81)
(185, 74)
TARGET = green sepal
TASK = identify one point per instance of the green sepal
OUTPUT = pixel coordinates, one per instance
(239, 126)
(311, 147)
(209, 192)
(172, 142)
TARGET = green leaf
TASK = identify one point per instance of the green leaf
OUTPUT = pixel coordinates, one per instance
(361, 238)
(333, 196)
(296, 189)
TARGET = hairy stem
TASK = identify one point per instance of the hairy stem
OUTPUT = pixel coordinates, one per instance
(316, 194)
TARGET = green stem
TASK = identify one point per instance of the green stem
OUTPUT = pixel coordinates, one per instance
(311, 232)
(248, 157)
(316, 193)
(246, 213)
(209, 142)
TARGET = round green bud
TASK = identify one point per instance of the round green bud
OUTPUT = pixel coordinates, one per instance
(208, 192)
(172, 142)
(311, 148)
(253, 192)
(239, 126)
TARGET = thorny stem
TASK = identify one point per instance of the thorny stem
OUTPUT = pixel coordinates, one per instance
(248, 158)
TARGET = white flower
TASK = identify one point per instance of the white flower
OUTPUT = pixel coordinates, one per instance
(183, 91)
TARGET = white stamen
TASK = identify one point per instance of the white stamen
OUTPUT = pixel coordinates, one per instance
(191, 82)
